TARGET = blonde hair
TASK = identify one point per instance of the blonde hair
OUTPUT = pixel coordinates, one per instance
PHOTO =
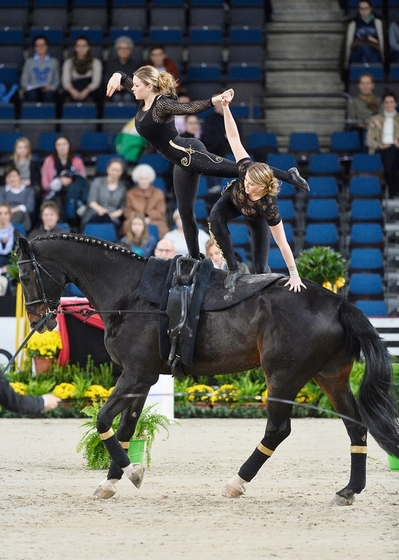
(130, 236)
(210, 243)
(261, 174)
(162, 82)
(22, 140)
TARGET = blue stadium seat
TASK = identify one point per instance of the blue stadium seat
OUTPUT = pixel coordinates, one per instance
(324, 164)
(287, 191)
(7, 142)
(276, 261)
(372, 308)
(357, 69)
(244, 72)
(9, 74)
(287, 211)
(166, 35)
(92, 144)
(366, 164)
(158, 162)
(322, 234)
(95, 35)
(345, 143)
(103, 160)
(126, 13)
(11, 45)
(366, 260)
(245, 111)
(7, 115)
(323, 210)
(323, 187)
(80, 115)
(240, 235)
(364, 235)
(54, 36)
(282, 161)
(365, 286)
(246, 44)
(205, 44)
(365, 187)
(366, 210)
(289, 233)
(46, 142)
(201, 211)
(303, 145)
(258, 140)
(107, 232)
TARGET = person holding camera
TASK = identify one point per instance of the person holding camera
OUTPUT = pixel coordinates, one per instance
(64, 178)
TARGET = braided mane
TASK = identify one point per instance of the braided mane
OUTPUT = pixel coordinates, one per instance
(93, 241)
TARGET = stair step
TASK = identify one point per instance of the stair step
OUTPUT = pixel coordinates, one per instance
(330, 27)
(297, 82)
(325, 65)
(323, 103)
(301, 46)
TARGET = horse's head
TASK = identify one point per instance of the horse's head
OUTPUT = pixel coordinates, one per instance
(41, 288)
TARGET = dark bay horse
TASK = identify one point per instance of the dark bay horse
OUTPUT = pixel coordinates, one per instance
(294, 337)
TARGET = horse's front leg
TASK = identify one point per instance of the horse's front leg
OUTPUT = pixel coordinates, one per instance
(278, 428)
(117, 445)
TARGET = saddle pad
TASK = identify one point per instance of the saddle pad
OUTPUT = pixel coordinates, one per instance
(216, 296)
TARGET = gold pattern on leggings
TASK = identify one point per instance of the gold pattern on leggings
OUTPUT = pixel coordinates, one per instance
(107, 435)
(359, 449)
(186, 161)
(265, 450)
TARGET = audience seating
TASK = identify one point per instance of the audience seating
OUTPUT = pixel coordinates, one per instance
(7, 114)
(321, 210)
(7, 142)
(11, 45)
(303, 145)
(50, 13)
(126, 13)
(276, 261)
(324, 164)
(14, 13)
(323, 187)
(202, 12)
(325, 235)
(365, 286)
(372, 308)
(366, 235)
(281, 161)
(366, 164)
(106, 232)
(366, 210)
(364, 187)
(366, 260)
(92, 144)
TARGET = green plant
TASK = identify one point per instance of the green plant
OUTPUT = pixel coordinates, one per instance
(323, 265)
(149, 423)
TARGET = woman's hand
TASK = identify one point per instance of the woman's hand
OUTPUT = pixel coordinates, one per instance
(227, 97)
(114, 84)
(229, 94)
(295, 283)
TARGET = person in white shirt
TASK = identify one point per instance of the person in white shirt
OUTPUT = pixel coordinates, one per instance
(179, 241)
(383, 138)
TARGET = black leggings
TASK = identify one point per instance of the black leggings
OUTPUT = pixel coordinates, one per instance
(224, 211)
(186, 175)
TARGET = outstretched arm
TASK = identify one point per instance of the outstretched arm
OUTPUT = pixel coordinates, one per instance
(280, 238)
(230, 125)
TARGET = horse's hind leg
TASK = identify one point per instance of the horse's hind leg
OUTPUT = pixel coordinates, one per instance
(278, 428)
(337, 389)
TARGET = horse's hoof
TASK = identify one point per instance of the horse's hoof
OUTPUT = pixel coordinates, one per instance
(136, 474)
(232, 492)
(343, 500)
(105, 491)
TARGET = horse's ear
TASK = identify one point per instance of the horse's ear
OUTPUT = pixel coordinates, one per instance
(22, 243)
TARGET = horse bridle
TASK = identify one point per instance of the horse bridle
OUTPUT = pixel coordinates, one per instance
(51, 305)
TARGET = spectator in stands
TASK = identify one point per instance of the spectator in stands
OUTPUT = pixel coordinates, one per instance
(193, 127)
(122, 59)
(20, 198)
(383, 138)
(49, 215)
(165, 249)
(28, 166)
(137, 237)
(64, 177)
(82, 74)
(107, 196)
(366, 104)
(212, 252)
(146, 199)
(40, 78)
(6, 245)
(176, 235)
(393, 38)
(159, 59)
(364, 40)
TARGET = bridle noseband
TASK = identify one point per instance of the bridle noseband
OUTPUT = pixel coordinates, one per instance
(51, 305)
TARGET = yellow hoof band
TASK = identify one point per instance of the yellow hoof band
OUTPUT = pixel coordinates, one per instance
(359, 449)
(231, 492)
(107, 435)
(265, 450)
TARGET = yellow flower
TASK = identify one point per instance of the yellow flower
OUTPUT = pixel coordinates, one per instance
(97, 392)
(340, 282)
(264, 396)
(327, 285)
(19, 387)
(202, 393)
(226, 393)
(65, 391)
(47, 344)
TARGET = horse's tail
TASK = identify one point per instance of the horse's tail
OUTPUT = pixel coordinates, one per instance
(377, 398)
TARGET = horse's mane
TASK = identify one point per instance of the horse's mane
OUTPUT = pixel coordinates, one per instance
(92, 241)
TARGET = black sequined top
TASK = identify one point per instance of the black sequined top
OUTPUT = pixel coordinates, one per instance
(265, 207)
(162, 112)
